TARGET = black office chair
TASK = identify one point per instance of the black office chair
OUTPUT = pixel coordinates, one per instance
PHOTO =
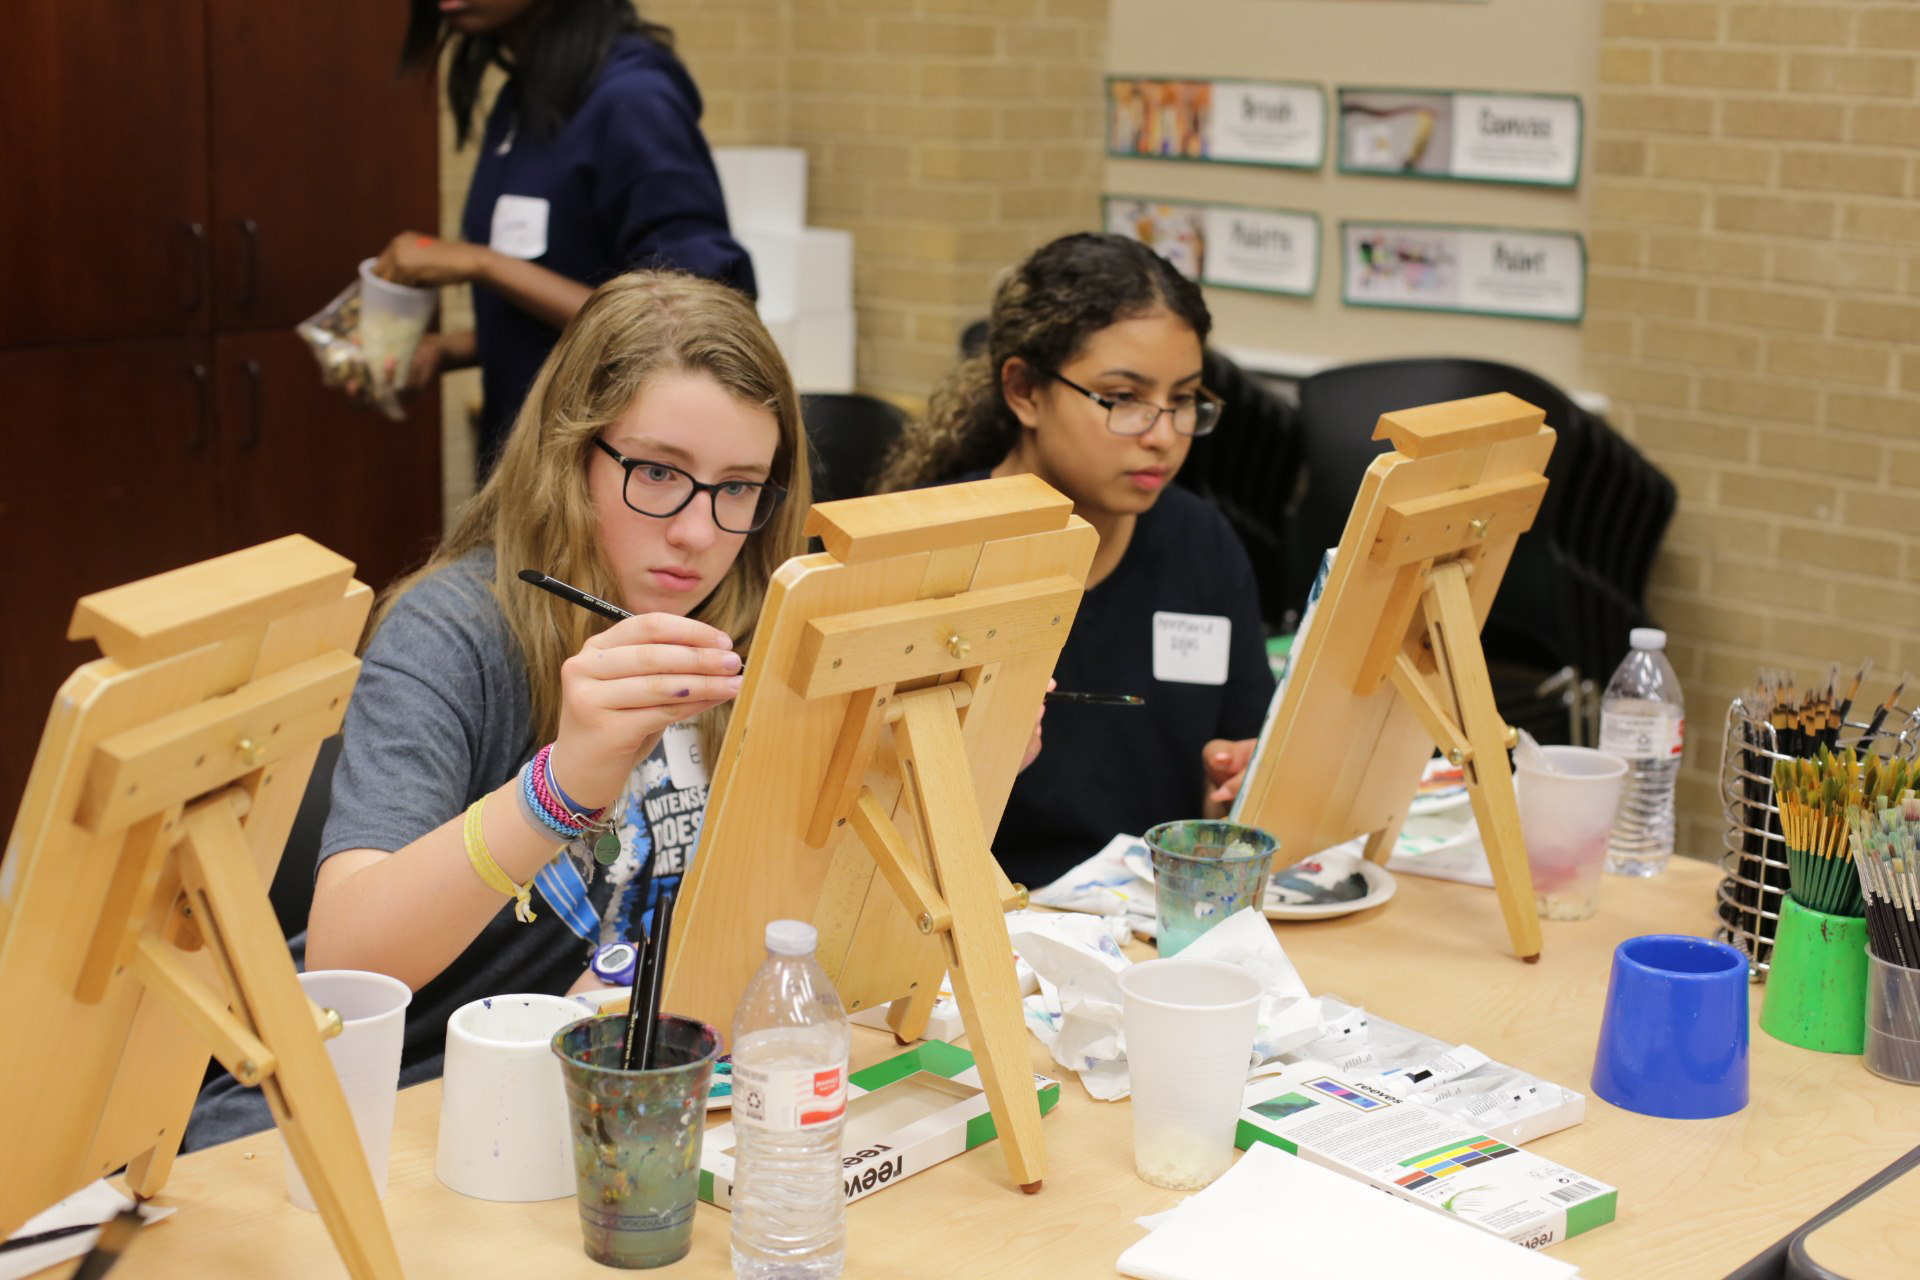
(849, 436)
(292, 888)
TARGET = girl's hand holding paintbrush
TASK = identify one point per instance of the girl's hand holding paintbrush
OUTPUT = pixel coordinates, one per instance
(625, 687)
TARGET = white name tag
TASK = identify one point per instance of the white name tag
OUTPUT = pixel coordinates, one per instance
(519, 227)
(685, 765)
(1190, 648)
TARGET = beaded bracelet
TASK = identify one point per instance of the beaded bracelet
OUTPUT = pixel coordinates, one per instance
(489, 871)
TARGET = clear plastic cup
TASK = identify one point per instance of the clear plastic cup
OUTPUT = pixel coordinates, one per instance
(1189, 1027)
(393, 319)
(503, 1106)
(1565, 819)
(1893, 1021)
(365, 1057)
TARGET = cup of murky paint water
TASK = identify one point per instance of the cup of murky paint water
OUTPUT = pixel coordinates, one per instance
(636, 1136)
(1203, 872)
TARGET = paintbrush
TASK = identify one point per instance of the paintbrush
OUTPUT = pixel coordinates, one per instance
(1880, 712)
(643, 1009)
(1097, 699)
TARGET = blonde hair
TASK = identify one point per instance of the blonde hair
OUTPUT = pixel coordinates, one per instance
(534, 511)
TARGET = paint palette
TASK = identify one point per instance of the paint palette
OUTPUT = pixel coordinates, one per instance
(1337, 882)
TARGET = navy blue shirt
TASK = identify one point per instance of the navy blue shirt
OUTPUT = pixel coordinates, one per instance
(627, 184)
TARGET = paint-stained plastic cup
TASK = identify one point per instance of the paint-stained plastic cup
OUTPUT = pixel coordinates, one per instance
(1203, 872)
(365, 1057)
(1673, 1031)
(503, 1106)
(636, 1136)
(1566, 817)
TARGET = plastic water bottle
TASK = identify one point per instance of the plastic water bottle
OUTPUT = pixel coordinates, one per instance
(790, 1044)
(1643, 721)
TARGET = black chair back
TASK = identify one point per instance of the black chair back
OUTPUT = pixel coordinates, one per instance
(849, 436)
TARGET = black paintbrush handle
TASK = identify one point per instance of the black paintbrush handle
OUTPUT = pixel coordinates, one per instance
(656, 978)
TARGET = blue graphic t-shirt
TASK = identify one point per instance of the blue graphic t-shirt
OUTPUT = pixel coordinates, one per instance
(657, 820)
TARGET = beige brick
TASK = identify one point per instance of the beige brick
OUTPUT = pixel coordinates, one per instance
(1779, 492)
(1777, 119)
(1896, 416)
(1768, 309)
(1853, 74)
(1885, 123)
(939, 39)
(1880, 602)
(1832, 361)
(1022, 203)
(1678, 571)
(834, 198)
(1903, 467)
(1608, 335)
(1713, 162)
(1626, 64)
(1616, 248)
(871, 159)
(1687, 67)
(1822, 455)
(1660, 21)
(1050, 123)
(1635, 203)
(1661, 434)
(1642, 295)
(1617, 156)
(832, 35)
(1810, 645)
(1881, 509)
(833, 118)
(951, 79)
(1880, 223)
(1836, 268)
(1737, 580)
(934, 203)
(1910, 372)
(1706, 255)
(1863, 172)
(1890, 321)
(1086, 11)
(865, 74)
(1632, 383)
(997, 8)
(943, 123)
(1848, 552)
(1897, 28)
(1760, 398)
(1719, 531)
(1773, 215)
(1794, 24)
(1655, 112)
(1702, 345)
(1700, 619)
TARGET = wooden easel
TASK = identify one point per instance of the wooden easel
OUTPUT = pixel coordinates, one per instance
(1391, 664)
(891, 692)
(135, 931)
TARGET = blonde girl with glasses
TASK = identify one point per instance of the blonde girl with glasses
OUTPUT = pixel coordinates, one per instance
(1091, 380)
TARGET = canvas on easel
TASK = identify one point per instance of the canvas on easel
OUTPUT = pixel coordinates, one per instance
(1391, 665)
(891, 692)
(136, 936)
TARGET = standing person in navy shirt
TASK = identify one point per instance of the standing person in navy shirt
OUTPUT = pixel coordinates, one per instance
(591, 164)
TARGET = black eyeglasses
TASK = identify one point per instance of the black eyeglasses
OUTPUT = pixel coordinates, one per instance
(661, 491)
(1194, 415)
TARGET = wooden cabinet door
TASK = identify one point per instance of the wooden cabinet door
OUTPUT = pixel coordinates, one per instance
(107, 478)
(297, 457)
(103, 208)
(320, 152)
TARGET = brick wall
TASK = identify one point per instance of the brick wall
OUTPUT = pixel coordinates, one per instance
(1754, 311)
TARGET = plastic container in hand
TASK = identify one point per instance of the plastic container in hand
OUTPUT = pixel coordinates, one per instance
(393, 319)
(1643, 721)
(1566, 818)
(790, 1043)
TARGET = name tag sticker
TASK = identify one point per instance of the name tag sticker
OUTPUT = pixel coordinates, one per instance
(1190, 648)
(685, 765)
(519, 227)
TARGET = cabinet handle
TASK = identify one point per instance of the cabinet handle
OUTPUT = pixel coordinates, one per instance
(196, 264)
(249, 261)
(203, 410)
(252, 370)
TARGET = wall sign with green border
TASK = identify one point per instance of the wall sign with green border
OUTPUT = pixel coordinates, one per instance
(1489, 271)
(1234, 247)
(1462, 135)
(1260, 122)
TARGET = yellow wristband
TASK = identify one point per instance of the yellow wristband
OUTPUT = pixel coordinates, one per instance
(489, 871)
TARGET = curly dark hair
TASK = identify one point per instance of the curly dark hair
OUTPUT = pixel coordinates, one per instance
(1043, 313)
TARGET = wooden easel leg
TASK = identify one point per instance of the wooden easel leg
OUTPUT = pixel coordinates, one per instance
(1456, 648)
(303, 1092)
(980, 955)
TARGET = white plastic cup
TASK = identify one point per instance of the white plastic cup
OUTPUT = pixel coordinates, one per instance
(393, 319)
(1189, 1026)
(366, 1058)
(503, 1106)
(1565, 819)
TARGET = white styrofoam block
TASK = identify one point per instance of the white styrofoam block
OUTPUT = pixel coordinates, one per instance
(824, 348)
(764, 187)
(810, 269)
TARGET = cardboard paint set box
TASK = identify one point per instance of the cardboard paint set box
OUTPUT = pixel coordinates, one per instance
(1359, 1128)
(903, 1115)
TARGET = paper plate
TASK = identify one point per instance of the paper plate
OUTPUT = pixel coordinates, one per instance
(1379, 880)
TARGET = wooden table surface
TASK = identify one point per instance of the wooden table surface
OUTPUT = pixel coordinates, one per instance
(1697, 1198)
(1877, 1239)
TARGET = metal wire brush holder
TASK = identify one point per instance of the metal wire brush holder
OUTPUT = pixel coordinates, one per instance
(1754, 853)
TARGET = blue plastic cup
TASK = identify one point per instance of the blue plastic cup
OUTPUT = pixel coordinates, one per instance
(1673, 1035)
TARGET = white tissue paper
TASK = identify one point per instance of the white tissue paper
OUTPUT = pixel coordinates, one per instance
(1107, 884)
(1076, 1013)
(92, 1204)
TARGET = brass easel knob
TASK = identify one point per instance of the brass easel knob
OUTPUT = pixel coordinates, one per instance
(247, 1072)
(330, 1024)
(1456, 757)
(1513, 737)
(251, 753)
(926, 922)
(1478, 526)
(957, 646)
(1022, 896)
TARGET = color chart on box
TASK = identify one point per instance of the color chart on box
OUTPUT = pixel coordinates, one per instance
(1334, 1089)
(1445, 1161)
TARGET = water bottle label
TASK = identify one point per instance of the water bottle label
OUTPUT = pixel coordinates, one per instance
(1636, 737)
(789, 1099)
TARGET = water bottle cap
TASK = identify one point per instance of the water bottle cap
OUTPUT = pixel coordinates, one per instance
(1648, 638)
(791, 937)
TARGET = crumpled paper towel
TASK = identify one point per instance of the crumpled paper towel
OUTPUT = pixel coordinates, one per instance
(1107, 886)
(1077, 1014)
